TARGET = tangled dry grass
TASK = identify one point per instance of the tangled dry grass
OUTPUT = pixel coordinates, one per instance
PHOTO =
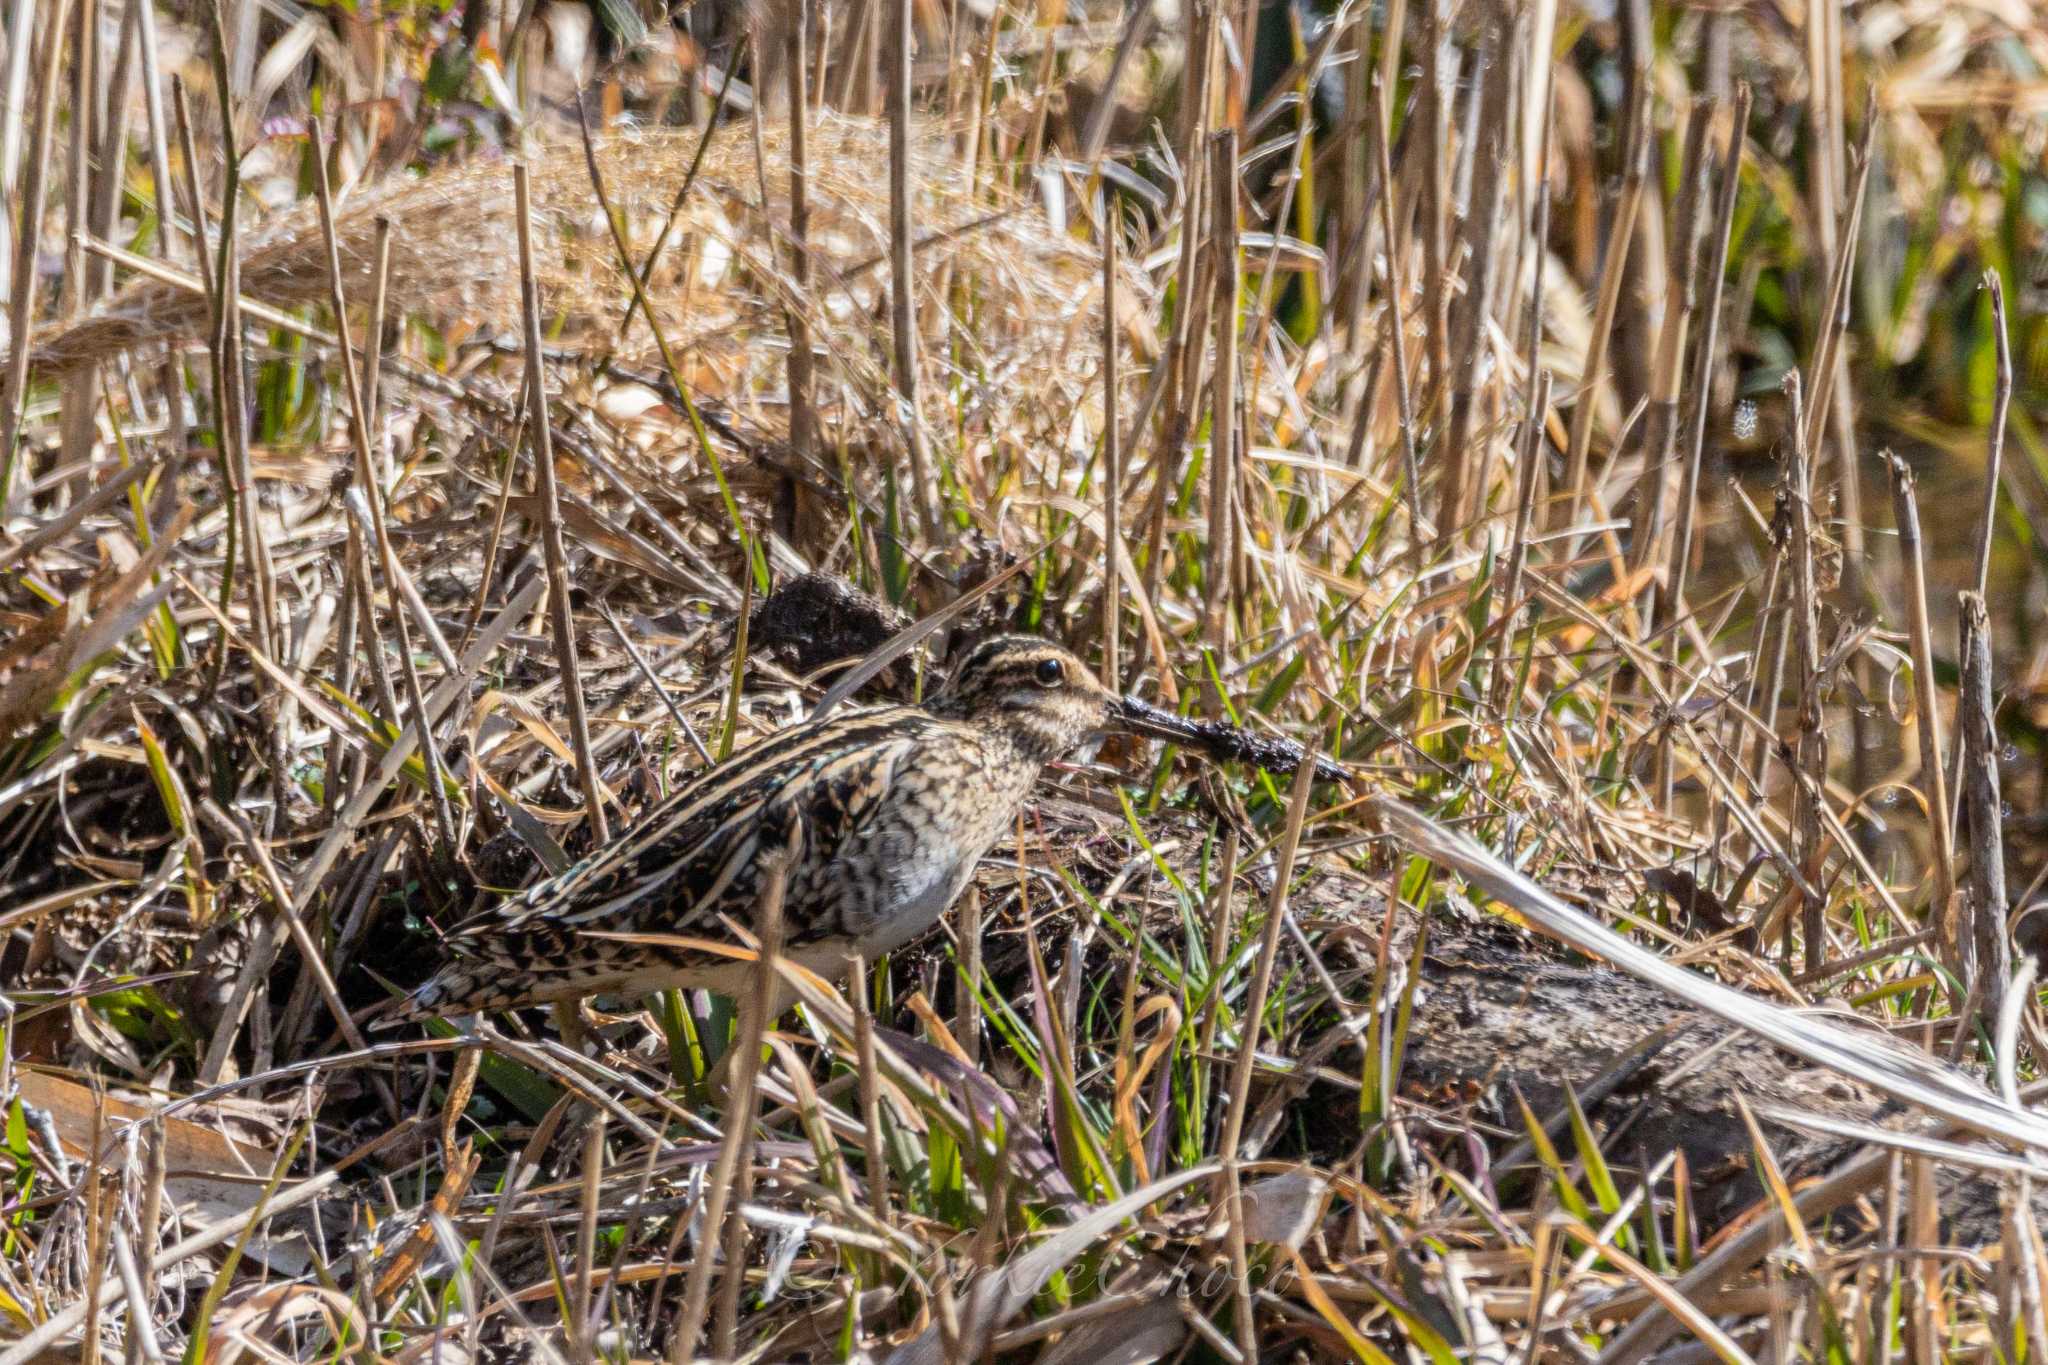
(1214, 1062)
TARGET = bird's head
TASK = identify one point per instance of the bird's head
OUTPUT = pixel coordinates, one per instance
(1036, 691)
(1047, 699)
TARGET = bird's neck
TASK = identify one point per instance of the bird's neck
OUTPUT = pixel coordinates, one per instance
(1032, 737)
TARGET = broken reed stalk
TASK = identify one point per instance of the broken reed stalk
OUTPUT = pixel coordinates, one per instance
(1223, 394)
(796, 65)
(1987, 955)
(1112, 448)
(1712, 262)
(1927, 709)
(1810, 756)
(27, 240)
(1021, 158)
(110, 168)
(366, 497)
(539, 426)
(1987, 515)
(902, 283)
(96, 1239)
(1531, 242)
(2001, 403)
(1833, 399)
(733, 1241)
(357, 581)
(369, 518)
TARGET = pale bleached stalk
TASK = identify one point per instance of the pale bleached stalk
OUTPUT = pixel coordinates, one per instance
(22, 294)
(902, 282)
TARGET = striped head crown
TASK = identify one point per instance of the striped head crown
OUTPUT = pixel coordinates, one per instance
(1039, 693)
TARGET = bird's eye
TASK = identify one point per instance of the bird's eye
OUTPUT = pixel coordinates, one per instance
(1050, 672)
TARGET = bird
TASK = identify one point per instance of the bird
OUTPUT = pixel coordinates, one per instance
(880, 813)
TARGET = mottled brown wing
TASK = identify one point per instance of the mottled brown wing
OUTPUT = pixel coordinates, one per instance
(696, 857)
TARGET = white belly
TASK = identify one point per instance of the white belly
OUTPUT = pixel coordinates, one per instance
(924, 888)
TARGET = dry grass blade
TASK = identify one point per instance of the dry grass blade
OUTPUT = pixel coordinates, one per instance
(1913, 1080)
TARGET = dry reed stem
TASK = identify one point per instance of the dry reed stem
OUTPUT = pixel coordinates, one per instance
(1460, 463)
(800, 400)
(1988, 955)
(1706, 356)
(1250, 1022)
(902, 281)
(1223, 443)
(366, 496)
(540, 426)
(1810, 756)
(1112, 450)
(1397, 338)
(1612, 275)
(728, 1182)
(27, 240)
(110, 157)
(1942, 911)
(1434, 115)
(72, 295)
(373, 339)
(2001, 403)
(869, 1077)
(1529, 459)
(967, 978)
(1681, 297)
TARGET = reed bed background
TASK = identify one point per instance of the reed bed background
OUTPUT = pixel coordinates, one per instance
(422, 443)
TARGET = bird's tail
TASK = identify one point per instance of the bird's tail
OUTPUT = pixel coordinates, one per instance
(476, 986)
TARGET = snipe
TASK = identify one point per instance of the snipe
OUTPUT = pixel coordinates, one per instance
(888, 810)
